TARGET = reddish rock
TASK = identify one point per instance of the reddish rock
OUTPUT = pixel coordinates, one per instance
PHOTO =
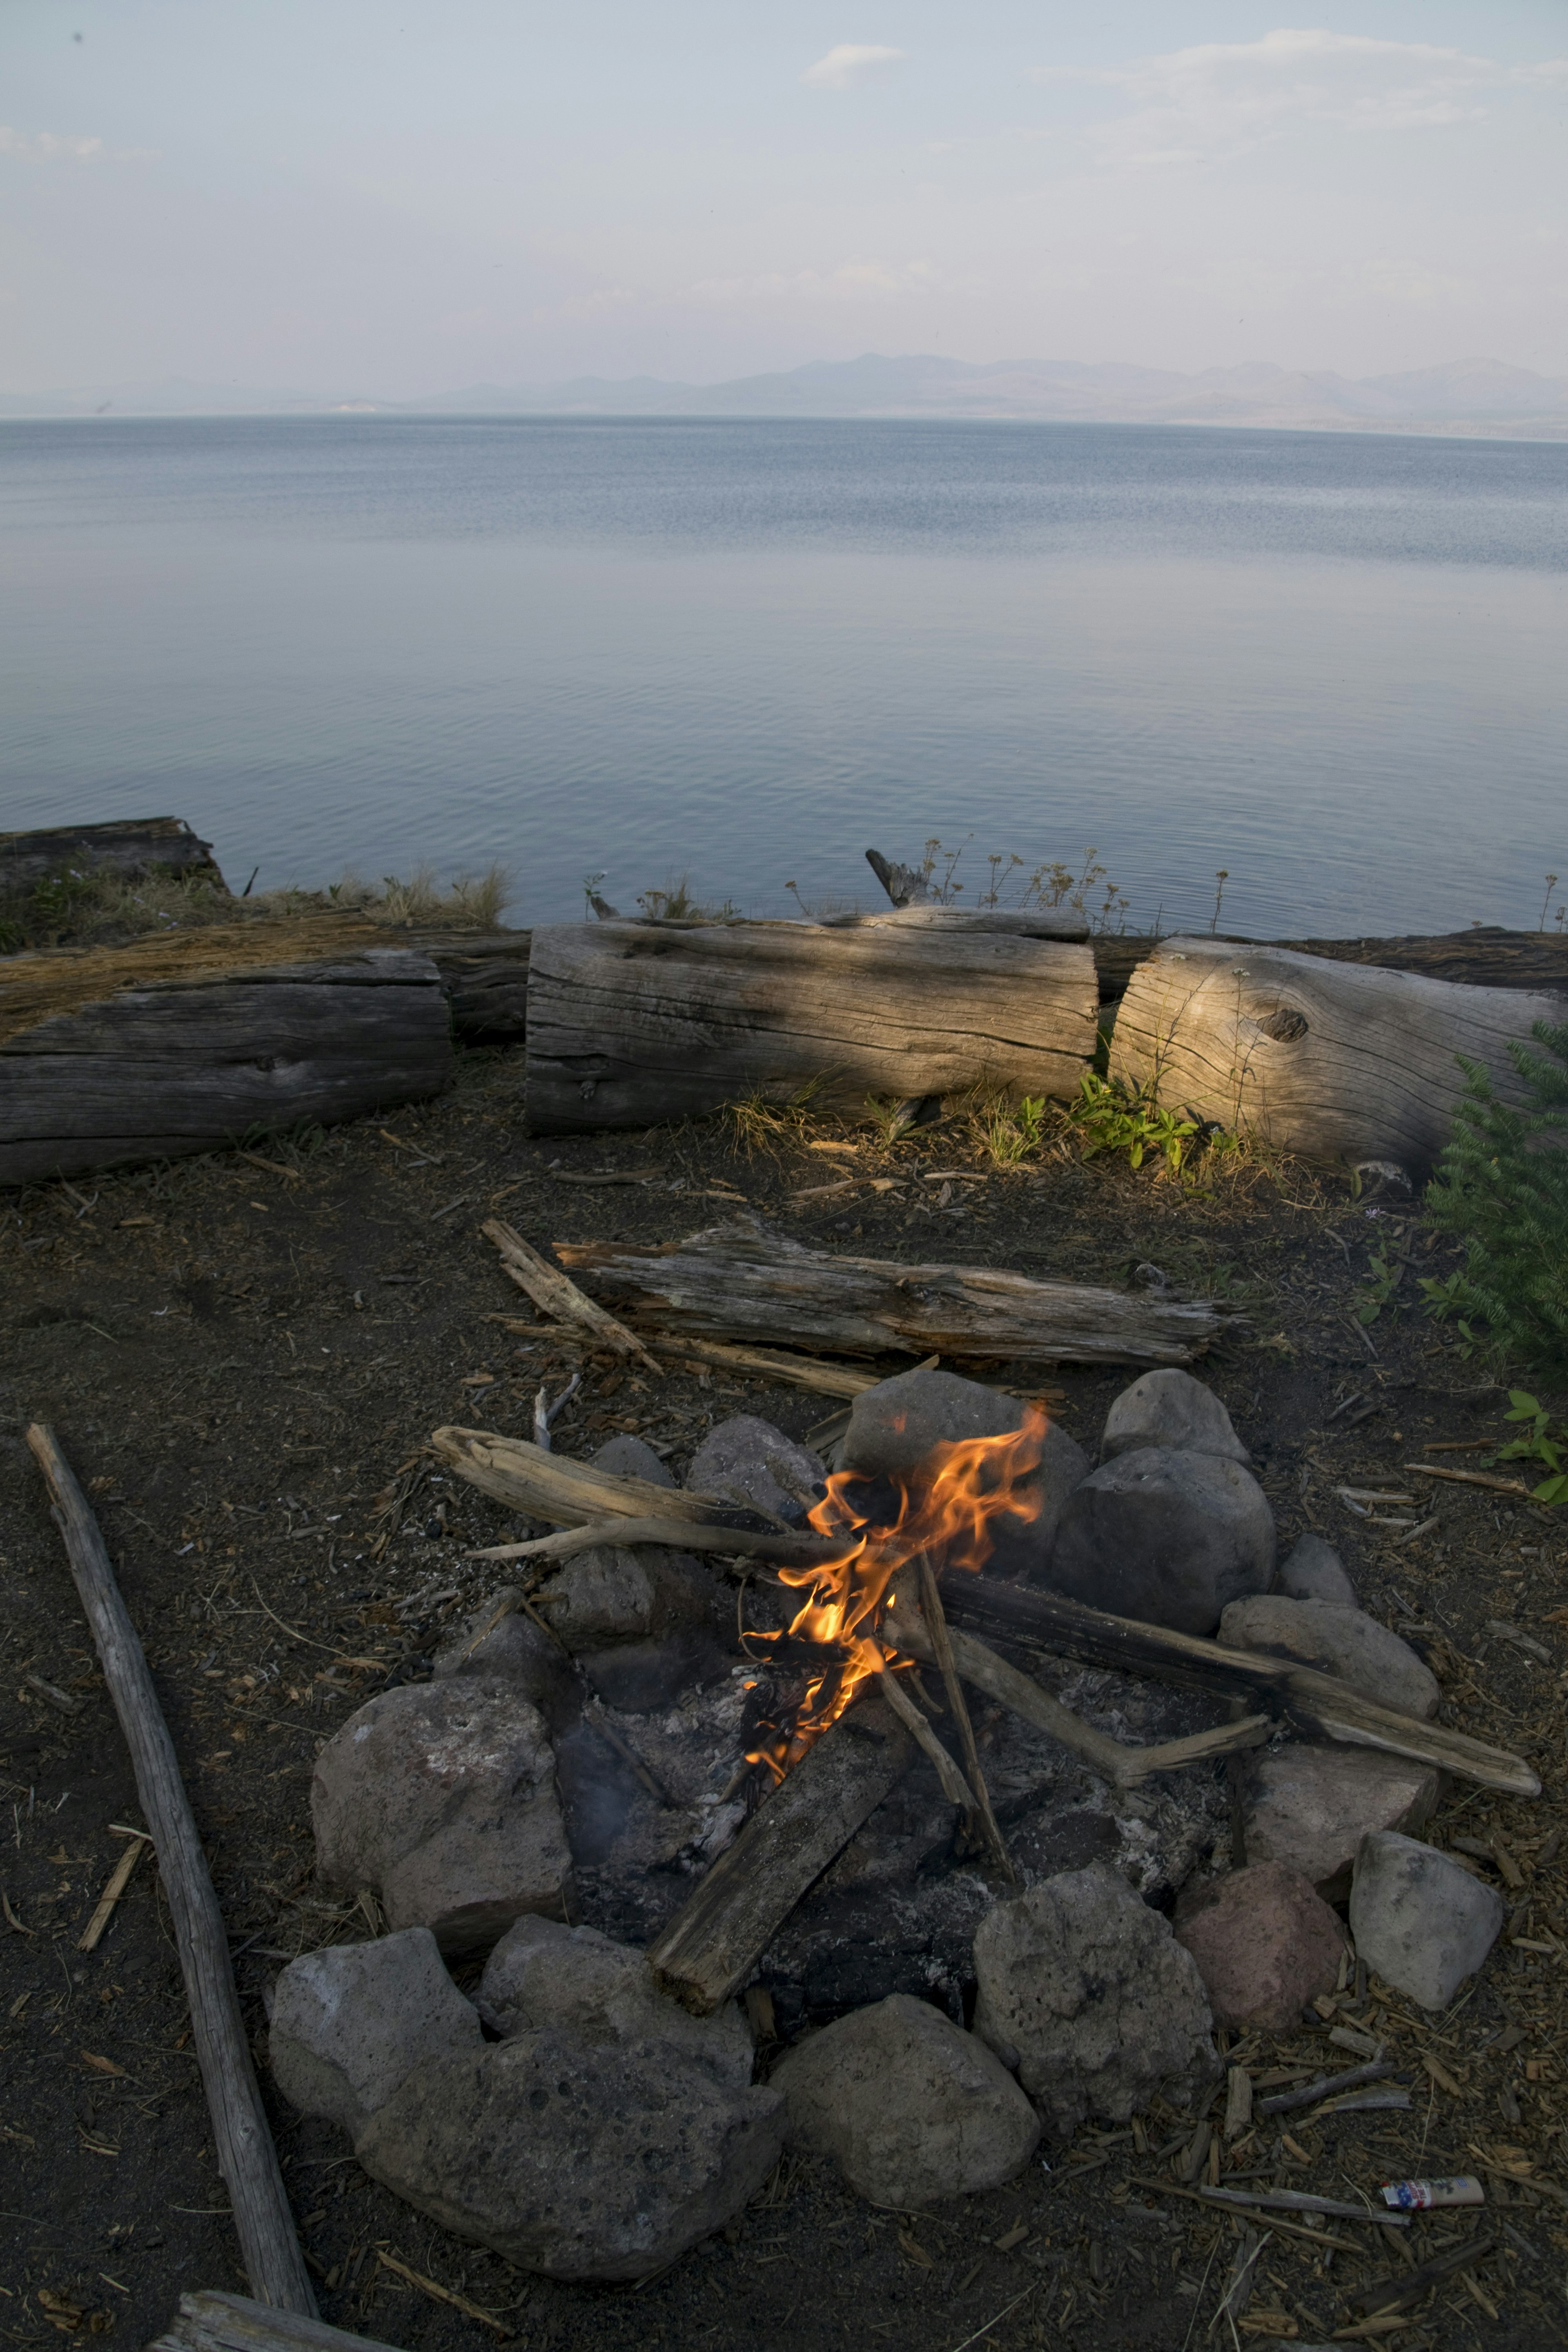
(1265, 1944)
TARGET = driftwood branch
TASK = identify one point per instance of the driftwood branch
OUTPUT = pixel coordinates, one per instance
(682, 1535)
(549, 1289)
(269, 2246)
(1318, 1704)
(559, 1487)
(716, 1939)
(209, 2321)
(744, 1281)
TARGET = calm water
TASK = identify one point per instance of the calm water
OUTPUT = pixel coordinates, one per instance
(1333, 665)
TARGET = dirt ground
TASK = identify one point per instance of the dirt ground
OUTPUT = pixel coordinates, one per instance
(243, 1359)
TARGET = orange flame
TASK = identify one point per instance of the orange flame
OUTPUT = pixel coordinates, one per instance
(950, 1509)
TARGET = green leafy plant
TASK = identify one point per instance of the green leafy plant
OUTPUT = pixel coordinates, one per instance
(1383, 1277)
(1501, 1188)
(1541, 1442)
(1112, 1118)
(1012, 1134)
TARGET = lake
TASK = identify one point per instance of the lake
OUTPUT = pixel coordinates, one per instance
(1333, 665)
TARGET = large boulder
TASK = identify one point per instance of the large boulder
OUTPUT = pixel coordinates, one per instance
(1265, 1944)
(441, 1797)
(913, 2109)
(350, 2023)
(516, 1651)
(1420, 1922)
(585, 2163)
(1342, 1641)
(1314, 1572)
(1088, 1989)
(609, 1593)
(1310, 1808)
(894, 1427)
(747, 1462)
(542, 1973)
(1165, 1534)
(1170, 1408)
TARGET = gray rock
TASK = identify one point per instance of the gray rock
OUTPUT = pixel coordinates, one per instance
(913, 2109)
(441, 1797)
(637, 1677)
(582, 2163)
(1342, 1641)
(893, 1427)
(750, 1463)
(1420, 1922)
(518, 1651)
(1310, 1808)
(1314, 1572)
(611, 1594)
(1101, 2004)
(1168, 1535)
(349, 2022)
(629, 1457)
(1170, 1408)
(541, 1973)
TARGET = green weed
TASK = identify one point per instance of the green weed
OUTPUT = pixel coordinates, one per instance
(1112, 1117)
(1541, 1442)
(1501, 1188)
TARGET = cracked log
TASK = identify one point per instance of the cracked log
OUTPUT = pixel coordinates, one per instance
(742, 1282)
(632, 1023)
(1331, 1060)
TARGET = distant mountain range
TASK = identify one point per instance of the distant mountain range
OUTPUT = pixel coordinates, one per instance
(1469, 396)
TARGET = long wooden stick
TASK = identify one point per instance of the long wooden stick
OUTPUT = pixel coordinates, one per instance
(1315, 1703)
(941, 1643)
(682, 1535)
(558, 1294)
(268, 2243)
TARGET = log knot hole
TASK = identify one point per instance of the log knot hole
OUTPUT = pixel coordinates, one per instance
(1285, 1026)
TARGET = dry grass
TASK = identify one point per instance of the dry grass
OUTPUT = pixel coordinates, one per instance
(108, 910)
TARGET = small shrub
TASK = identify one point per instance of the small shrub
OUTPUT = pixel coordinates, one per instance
(1541, 1442)
(1012, 1134)
(1501, 1188)
(1112, 1118)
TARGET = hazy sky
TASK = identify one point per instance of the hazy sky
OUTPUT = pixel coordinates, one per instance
(357, 196)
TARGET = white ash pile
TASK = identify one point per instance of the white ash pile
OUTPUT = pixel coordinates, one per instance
(958, 1966)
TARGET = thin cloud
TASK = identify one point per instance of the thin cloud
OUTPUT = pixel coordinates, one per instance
(1223, 98)
(65, 147)
(850, 64)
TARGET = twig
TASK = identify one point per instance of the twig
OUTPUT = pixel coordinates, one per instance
(1291, 2229)
(941, 1641)
(269, 2246)
(442, 2293)
(954, 1787)
(1001, 2315)
(1281, 2200)
(557, 1294)
(119, 1880)
(1326, 2086)
(1468, 1477)
(545, 1414)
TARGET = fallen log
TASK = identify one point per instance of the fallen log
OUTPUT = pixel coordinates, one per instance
(129, 847)
(1329, 1060)
(632, 1023)
(742, 1281)
(269, 2242)
(1483, 957)
(1318, 1704)
(719, 1933)
(135, 1053)
(212, 2321)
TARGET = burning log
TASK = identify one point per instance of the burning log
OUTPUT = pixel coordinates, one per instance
(741, 1281)
(941, 1643)
(1319, 1705)
(717, 1937)
(631, 1022)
